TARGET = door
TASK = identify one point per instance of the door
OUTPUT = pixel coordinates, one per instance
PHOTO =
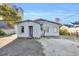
(30, 31)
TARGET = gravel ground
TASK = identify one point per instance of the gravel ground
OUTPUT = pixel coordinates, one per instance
(22, 47)
(59, 47)
(40, 47)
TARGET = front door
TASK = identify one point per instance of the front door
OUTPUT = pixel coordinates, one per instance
(30, 31)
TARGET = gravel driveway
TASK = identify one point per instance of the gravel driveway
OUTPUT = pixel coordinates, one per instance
(41, 47)
(59, 47)
(22, 47)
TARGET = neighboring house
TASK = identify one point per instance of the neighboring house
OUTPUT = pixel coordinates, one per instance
(37, 28)
(8, 30)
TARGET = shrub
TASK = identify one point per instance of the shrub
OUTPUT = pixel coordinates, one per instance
(11, 34)
(2, 33)
(63, 32)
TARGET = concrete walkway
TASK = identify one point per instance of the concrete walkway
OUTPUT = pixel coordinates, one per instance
(6, 40)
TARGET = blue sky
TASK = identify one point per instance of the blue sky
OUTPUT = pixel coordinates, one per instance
(50, 11)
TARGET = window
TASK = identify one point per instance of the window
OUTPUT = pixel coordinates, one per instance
(22, 29)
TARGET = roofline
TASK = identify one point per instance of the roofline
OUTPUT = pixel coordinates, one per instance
(38, 22)
(48, 21)
(26, 21)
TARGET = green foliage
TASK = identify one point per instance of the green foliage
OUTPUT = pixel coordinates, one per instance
(2, 33)
(10, 15)
(63, 32)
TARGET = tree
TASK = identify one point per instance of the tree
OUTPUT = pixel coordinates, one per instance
(10, 15)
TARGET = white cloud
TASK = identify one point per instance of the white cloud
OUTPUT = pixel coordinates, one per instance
(59, 11)
(37, 13)
(53, 12)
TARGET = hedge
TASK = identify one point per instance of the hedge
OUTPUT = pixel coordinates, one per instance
(2, 33)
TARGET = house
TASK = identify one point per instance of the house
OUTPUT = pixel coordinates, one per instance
(37, 28)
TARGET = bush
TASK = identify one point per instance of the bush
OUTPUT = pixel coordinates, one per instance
(11, 34)
(63, 32)
(2, 33)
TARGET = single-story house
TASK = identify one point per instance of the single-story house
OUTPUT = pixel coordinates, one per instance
(37, 28)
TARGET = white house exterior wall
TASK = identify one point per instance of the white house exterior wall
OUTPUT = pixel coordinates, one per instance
(36, 29)
(51, 27)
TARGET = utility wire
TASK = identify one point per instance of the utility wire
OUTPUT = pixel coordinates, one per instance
(71, 15)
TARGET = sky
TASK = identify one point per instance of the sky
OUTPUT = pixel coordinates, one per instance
(67, 12)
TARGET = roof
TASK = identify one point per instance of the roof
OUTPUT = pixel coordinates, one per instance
(68, 25)
(37, 21)
(76, 23)
(27, 21)
(40, 19)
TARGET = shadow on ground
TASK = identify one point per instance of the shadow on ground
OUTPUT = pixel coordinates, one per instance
(22, 47)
